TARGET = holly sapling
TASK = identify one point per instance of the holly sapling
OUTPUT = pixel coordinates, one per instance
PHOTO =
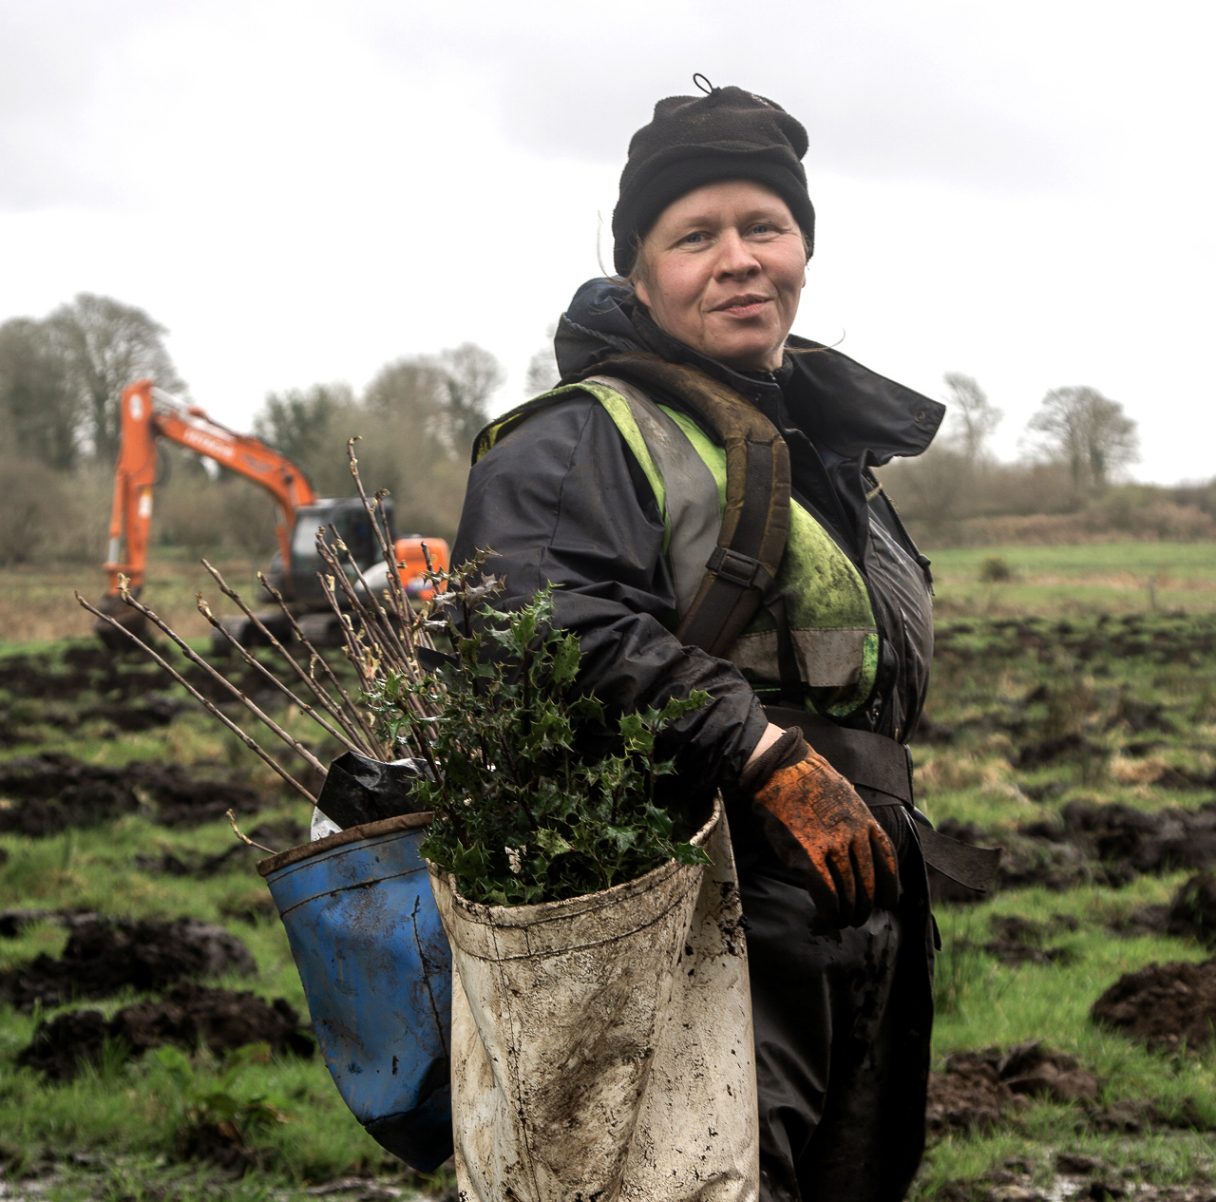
(537, 795)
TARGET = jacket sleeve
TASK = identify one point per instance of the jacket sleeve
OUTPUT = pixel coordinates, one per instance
(561, 499)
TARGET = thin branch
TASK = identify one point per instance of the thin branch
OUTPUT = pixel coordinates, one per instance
(244, 838)
(315, 657)
(208, 705)
(348, 722)
(194, 657)
(255, 663)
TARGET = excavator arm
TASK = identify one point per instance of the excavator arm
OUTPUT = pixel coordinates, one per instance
(149, 414)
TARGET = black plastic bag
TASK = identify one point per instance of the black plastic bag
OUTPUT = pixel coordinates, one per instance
(358, 789)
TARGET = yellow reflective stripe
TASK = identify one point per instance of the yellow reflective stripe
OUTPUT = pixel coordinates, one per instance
(622, 417)
(712, 455)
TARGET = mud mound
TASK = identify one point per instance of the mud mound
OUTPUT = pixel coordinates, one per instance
(1168, 1007)
(1022, 941)
(105, 956)
(1075, 1177)
(1017, 941)
(201, 867)
(1192, 911)
(1190, 914)
(13, 922)
(51, 792)
(975, 1089)
(133, 716)
(1091, 843)
(1162, 638)
(187, 1017)
(1162, 841)
(1025, 860)
(122, 676)
(279, 835)
(84, 668)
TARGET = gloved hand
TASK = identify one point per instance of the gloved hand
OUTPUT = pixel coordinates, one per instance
(822, 829)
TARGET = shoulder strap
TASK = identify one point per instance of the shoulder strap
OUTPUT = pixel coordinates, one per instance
(755, 522)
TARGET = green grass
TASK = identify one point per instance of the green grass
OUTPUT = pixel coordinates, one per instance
(1020, 663)
(1125, 577)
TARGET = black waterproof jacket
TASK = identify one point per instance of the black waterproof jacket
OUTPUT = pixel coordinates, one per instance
(560, 498)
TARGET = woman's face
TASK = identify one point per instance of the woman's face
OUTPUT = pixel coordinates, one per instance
(722, 270)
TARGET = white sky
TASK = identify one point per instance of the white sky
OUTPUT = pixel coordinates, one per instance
(303, 191)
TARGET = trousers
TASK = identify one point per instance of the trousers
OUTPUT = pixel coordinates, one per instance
(842, 1023)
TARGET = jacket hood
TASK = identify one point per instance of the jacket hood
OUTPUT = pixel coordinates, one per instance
(598, 323)
(834, 399)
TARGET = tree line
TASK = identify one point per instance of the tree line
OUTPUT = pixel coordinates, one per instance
(62, 376)
(1068, 484)
(61, 382)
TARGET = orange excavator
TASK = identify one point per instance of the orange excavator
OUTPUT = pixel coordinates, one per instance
(148, 414)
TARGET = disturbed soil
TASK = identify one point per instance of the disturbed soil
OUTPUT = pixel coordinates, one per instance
(166, 961)
(979, 1092)
(172, 963)
(52, 792)
(186, 1016)
(105, 957)
(1168, 1007)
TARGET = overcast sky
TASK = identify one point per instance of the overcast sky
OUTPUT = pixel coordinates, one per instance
(303, 191)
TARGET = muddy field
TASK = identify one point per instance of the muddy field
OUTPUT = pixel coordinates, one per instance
(1097, 732)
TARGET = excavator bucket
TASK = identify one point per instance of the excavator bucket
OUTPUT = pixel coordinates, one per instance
(130, 619)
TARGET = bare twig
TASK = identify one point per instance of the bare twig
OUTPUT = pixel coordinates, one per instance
(240, 834)
(208, 705)
(375, 511)
(194, 657)
(337, 711)
(316, 658)
(252, 661)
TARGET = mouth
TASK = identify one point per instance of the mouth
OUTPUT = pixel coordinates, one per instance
(743, 305)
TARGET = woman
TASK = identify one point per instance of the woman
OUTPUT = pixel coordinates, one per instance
(611, 491)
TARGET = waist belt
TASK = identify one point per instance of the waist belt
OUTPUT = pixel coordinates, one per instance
(875, 764)
(865, 759)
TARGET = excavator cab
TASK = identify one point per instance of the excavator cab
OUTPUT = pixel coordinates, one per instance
(343, 520)
(148, 414)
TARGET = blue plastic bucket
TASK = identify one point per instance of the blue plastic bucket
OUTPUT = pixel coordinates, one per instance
(377, 975)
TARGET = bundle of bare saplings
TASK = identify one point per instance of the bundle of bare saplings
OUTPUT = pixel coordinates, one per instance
(515, 943)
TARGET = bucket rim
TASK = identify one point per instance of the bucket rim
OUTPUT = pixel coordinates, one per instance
(481, 913)
(353, 834)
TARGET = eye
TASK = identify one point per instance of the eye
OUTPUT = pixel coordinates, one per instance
(694, 238)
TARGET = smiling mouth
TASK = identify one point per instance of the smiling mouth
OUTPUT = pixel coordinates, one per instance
(741, 304)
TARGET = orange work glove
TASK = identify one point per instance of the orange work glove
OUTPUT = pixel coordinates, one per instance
(822, 829)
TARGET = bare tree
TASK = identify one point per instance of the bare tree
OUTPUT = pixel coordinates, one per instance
(470, 377)
(976, 417)
(413, 387)
(447, 394)
(106, 345)
(299, 423)
(1088, 432)
(542, 371)
(40, 414)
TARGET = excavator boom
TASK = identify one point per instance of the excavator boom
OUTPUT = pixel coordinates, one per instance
(149, 414)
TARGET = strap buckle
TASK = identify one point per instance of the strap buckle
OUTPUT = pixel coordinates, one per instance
(739, 569)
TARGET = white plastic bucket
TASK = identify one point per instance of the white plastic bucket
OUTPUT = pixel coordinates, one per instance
(602, 1045)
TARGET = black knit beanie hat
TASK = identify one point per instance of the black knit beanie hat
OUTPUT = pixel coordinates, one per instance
(695, 140)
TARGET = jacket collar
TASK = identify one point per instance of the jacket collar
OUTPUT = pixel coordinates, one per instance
(836, 401)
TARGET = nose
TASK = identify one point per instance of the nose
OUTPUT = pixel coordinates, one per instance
(735, 256)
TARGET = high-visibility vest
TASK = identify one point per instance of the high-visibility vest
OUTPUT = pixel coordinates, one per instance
(833, 636)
